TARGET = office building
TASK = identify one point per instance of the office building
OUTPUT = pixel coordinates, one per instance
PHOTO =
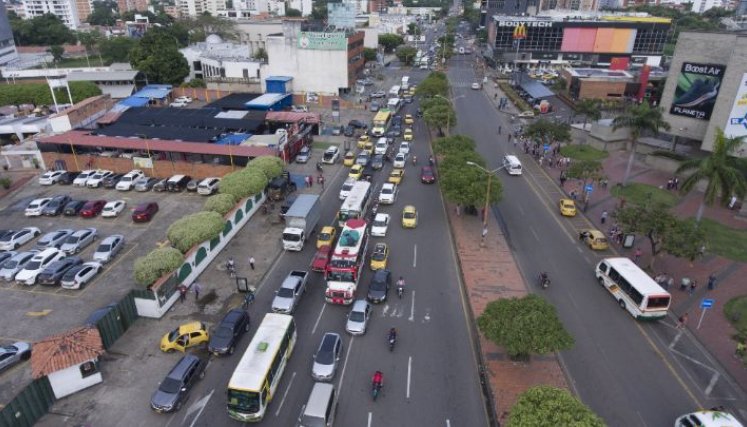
(66, 10)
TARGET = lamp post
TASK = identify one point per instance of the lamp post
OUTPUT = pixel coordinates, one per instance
(490, 174)
(448, 116)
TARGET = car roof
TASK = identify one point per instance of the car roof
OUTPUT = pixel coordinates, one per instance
(190, 327)
(111, 238)
(359, 304)
(381, 215)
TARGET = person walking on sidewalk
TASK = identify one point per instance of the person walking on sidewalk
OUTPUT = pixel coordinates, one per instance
(711, 282)
(693, 285)
(637, 255)
(182, 293)
(321, 180)
(682, 321)
(197, 289)
(604, 217)
(251, 262)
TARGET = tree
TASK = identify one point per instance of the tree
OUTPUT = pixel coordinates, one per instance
(369, 54)
(390, 41)
(220, 203)
(293, 13)
(261, 54)
(453, 144)
(38, 93)
(57, 52)
(28, 32)
(406, 54)
(546, 132)
(197, 28)
(721, 169)
(195, 83)
(639, 119)
(545, 406)
(194, 229)
(482, 35)
(464, 184)
(413, 29)
(590, 109)
(243, 183)
(116, 49)
(523, 326)
(91, 40)
(103, 13)
(433, 85)
(440, 115)
(586, 170)
(684, 240)
(149, 268)
(271, 166)
(157, 56)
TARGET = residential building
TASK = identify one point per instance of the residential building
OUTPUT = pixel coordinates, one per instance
(250, 8)
(66, 10)
(83, 9)
(198, 7)
(303, 5)
(131, 5)
(253, 32)
(8, 52)
(223, 65)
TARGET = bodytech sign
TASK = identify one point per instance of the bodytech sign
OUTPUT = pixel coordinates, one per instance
(527, 23)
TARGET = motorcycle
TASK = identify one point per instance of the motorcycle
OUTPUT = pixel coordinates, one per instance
(544, 281)
(414, 160)
(392, 341)
(319, 167)
(400, 291)
(375, 390)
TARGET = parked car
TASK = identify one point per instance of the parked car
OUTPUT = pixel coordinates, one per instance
(357, 124)
(78, 241)
(145, 183)
(160, 185)
(378, 288)
(36, 206)
(53, 239)
(111, 181)
(226, 335)
(327, 357)
(73, 207)
(349, 131)
(11, 266)
(53, 273)
(12, 241)
(67, 178)
(378, 94)
(50, 177)
(185, 99)
(6, 255)
(95, 180)
(178, 183)
(80, 275)
(92, 208)
(128, 181)
(174, 390)
(109, 248)
(144, 212)
(56, 205)
(185, 336)
(331, 155)
(27, 275)
(14, 353)
(358, 317)
(192, 184)
(82, 178)
(304, 154)
(113, 208)
(374, 107)
(337, 130)
(208, 186)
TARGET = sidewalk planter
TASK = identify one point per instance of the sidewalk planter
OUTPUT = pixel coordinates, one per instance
(160, 296)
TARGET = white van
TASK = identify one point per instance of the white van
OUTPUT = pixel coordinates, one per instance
(319, 410)
(512, 165)
(707, 419)
(394, 91)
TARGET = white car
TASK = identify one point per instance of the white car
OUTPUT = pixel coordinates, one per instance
(11, 266)
(185, 99)
(381, 147)
(77, 241)
(388, 194)
(50, 177)
(113, 208)
(29, 272)
(80, 180)
(97, 178)
(178, 104)
(331, 155)
(526, 114)
(80, 275)
(127, 182)
(399, 160)
(380, 225)
(346, 187)
(404, 147)
(36, 206)
(14, 240)
(476, 86)
(109, 248)
(208, 186)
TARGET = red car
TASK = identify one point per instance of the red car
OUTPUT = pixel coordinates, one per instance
(92, 208)
(319, 263)
(426, 175)
(144, 212)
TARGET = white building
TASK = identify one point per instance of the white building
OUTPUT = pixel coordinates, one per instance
(66, 10)
(254, 32)
(303, 5)
(700, 6)
(223, 65)
(248, 8)
(198, 7)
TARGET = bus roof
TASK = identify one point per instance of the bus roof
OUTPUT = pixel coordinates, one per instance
(351, 238)
(356, 197)
(382, 115)
(638, 278)
(252, 369)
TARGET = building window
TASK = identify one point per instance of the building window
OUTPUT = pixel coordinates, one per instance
(197, 65)
(88, 368)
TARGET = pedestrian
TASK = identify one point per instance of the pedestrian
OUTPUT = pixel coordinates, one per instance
(682, 321)
(637, 255)
(182, 293)
(484, 234)
(573, 194)
(321, 181)
(562, 178)
(670, 184)
(676, 183)
(540, 161)
(500, 128)
(311, 181)
(306, 181)
(251, 262)
(732, 202)
(693, 285)
(196, 288)
(670, 282)
(604, 217)
(711, 282)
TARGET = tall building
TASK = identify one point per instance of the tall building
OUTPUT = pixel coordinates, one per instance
(66, 10)
(83, 8)
(8, 51)
(131, 5)
(198, 7)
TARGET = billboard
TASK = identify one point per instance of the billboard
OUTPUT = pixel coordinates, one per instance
(598, 40)
(697, 89)
(736, 126)
(322, 41)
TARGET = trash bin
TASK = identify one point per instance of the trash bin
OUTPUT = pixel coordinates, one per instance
(629, 241)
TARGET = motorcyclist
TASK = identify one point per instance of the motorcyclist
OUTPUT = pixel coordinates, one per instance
(393, 334)
(430, 160)
(401, 282)
(231, 264)
(544, 279)
(414, 159)
(378, 380)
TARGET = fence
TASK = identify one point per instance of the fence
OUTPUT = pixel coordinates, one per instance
(29, 405)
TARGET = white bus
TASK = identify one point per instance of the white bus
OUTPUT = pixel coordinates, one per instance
(405, 83)
(394, 91)
(256, 377)
(355, 203)
(633, 289)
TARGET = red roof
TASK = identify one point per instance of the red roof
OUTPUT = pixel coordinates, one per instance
(67, 349)
(292, 117)
(81, 138)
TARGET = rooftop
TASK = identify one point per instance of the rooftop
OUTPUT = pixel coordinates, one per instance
(599, 73)
(67, 349)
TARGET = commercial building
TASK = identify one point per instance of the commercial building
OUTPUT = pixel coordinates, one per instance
(223, 65)
(707, 88)
(595, 83)
(253, 32)
(563, 40)
(8, 52)
(66, 10)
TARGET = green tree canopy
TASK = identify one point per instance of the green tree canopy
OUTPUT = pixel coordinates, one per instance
(45, 30)
(406, 54)
(104, 13)
(390, 41)
(157, 56)
(271, 166)
(56, 51)
(639, 119)
(293, 13)
(261, 55)
(194, 229)
(220, 203)
(431, 86)
(546, 132)
(243, 183)
(464, 184)
(369, 54)
(116, 49)
(197, 28)
(586, 171)
(524, 326)
(453, 145)
(545, 406)
(589, 108)
(440, 115)
(149, 268)
(38, 93)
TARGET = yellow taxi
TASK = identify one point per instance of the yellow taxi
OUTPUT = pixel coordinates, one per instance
(408, 135)
(380, 256)
(356, 171)
(412, 90)
(594, 239)
(567, 207)
(349, 159)
(369, 146)
(326, 236)
(409, 217)
(185, 336)
(396, 176)
(408, 119)
(362, 140)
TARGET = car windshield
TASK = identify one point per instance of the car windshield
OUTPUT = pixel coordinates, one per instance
(71, 239)
(325, 236)
(10, 264)
(285, 293)
(409, 215)
(223, 332)
(170, 385)
(104, 247)
(356, 316)
(379, 223)
(6, 238)
(126, 178)
(244, 401)
(378, 256)
(387, 190)
(288, 237)
(325, 355)
(347, 187)
(33, 265)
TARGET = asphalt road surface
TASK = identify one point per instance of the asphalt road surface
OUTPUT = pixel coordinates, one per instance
(630, 373)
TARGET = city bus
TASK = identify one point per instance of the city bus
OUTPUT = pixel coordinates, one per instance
(355, 204)
(256, 377)
(380, 122)
(634, 290)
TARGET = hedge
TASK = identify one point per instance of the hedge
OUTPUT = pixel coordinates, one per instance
(156, 263)
(195, 228)
(243, 183)
(272, 166)
(220, 203)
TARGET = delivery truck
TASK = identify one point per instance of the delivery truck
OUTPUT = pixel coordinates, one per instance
(300, 221)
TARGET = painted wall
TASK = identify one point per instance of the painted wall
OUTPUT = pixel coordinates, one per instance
(321, 71)
(70, 380)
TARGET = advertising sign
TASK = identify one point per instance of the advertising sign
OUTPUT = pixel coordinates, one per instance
(322, 41)
(737, 124)
(697, 89)
(341, 15)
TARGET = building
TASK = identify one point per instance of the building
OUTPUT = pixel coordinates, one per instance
(562, 40)
(199, 7)
(250, 8)
(8, 52)
(83, 9)
(321, 62)
(707, 88)
(118, 84)
(596, 83)
(253, 32)
(304, 6)
(66, 10)
(131, 5)
(223, 65)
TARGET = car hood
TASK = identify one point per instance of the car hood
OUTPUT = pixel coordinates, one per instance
(281, 303)
(7, 273)
(322, 370)
(26, 274)
(376, 294)
(68, 246)
(354, 326)
(100, 255)
(162, 399)
(219, 343)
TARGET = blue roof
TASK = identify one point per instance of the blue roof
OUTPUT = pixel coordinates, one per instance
(233, 139)
(267, 100)
(536, 89)
(154, 92)
(279, 78)
(134, 101)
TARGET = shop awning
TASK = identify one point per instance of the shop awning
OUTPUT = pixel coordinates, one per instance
(535, 89)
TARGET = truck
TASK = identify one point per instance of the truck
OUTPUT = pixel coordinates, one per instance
(300, 221)
(287, 297)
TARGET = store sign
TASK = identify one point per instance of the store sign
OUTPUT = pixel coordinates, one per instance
(697, 89)
(737, 124)
(322, 41)
(527, 24)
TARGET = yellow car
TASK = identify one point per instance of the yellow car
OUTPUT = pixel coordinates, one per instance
(567, 207)
(349, 159)
(326, 236)
(356, 171)
(412, 90)
(408, 119)
(396, 176)
(369, 146)
(408, 136)
(409, 217)
(363, 140)
(185, 336)
(380, 256)
(594, 239)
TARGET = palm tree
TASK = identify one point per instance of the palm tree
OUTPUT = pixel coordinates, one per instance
(590, 109)
(638, 118)
(721, 169)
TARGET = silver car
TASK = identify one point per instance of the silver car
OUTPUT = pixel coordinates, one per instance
(53, 239)
(78, 241)
(109, 248)
(10, 267)
(14, 353)
(358, 317)
(326, 357)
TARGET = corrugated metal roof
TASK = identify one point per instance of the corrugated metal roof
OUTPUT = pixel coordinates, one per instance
(134, 102)
(154, 92)
(292, 117)
(118, 92)
(267, 100)
(67, 349)
(101, 76)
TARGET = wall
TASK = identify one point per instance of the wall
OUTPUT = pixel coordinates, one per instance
(322, 71)
(370, 38)
(601, 89)
(81, 114)
(69, 381)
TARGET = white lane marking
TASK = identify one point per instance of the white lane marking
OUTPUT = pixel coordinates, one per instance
(293, 377)
(313, 330)
(415, 256)
(534, 233)
(344, 366)
(409, 375)
(199, 404)
(448, 423)
(412, 308)
(369, 419)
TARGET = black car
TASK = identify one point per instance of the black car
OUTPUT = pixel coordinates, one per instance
(73, 207)
(112, 180)
(349, 131)
(174, 389)
(357, 124)
(368, 172)
(56, 205)
(52, 275)
(394, 132)
(377, 162)
(397, 120)
(224, 338)
(379, 286)
(67, 178)
(4, 233)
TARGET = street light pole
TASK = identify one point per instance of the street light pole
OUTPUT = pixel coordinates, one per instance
(490, 174)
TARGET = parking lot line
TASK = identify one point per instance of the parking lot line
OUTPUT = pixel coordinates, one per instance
(41, 313)
(105, 270)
